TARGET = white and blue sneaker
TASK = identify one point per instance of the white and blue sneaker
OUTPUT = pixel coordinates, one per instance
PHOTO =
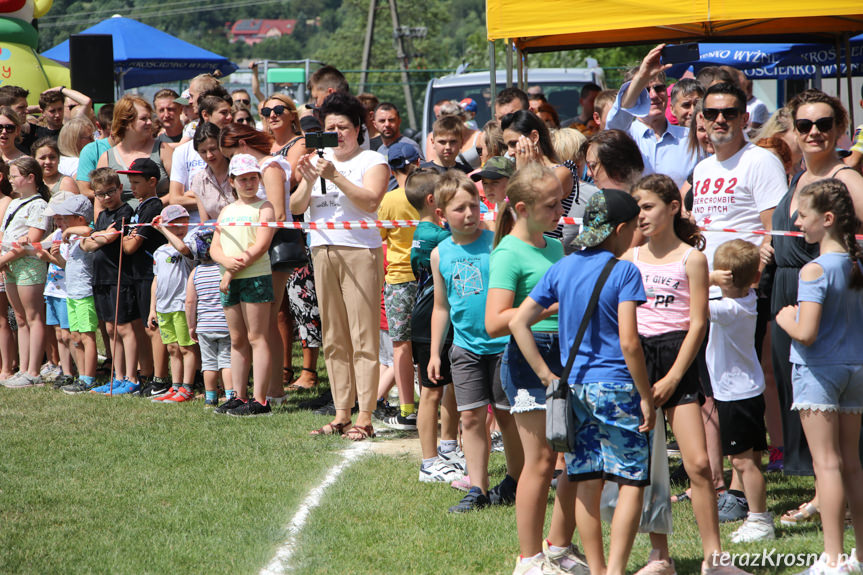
(126, 387)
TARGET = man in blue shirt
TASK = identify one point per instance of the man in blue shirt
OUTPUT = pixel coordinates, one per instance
(639, 110)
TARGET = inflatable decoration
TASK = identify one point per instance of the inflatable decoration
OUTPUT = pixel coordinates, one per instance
(20, 64)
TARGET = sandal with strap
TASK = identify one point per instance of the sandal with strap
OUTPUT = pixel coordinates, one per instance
(297, 387)
(359, 432)
(806, 512)
(331, 428)
(287, 375)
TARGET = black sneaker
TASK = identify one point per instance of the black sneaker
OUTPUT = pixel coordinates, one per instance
(155, 388)
(385, 410)
(473, 501)
(78, 387)
(398, 421)
(673, 449)
(63, 381)
(503, 493)
(251, 408)
(229, 405)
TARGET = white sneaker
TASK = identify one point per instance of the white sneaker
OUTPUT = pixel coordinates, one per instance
(820, 567)
(570, 560)
(754, 530)
(453, 458)
(18, 381)
(439, 472)
(536, 566)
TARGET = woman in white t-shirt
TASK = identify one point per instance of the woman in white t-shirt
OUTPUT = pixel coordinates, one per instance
(348, 264)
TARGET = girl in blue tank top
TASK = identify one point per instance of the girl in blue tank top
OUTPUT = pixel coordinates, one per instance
(827, 379)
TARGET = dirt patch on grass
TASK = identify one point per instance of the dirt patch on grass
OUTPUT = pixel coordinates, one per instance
(397, 446)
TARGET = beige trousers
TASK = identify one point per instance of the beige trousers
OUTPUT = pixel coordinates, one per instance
(348, 283)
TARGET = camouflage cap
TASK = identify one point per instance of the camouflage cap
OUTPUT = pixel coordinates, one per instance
(495, 168)
(604, 211)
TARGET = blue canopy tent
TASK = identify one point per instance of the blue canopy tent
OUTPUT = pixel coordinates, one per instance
(144, 55)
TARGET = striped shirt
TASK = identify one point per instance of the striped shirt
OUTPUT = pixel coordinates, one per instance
(211, 314)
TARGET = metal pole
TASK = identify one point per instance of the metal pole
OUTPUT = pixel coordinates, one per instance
(367, 44)
(524, 69)
(492, 71)
(508, 45)
(400, 46)
(520, 66)
(839, 66)
(847, 38)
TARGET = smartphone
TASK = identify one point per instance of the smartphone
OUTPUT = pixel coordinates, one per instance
(680, 53)
(322, 140)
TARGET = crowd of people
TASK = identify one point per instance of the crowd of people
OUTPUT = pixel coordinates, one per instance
(139, 224)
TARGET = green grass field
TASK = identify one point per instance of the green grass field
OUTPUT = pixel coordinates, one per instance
(90, 484)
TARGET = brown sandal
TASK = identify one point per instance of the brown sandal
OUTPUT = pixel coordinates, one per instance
(297, 387)
(331, 429)
(359, 432)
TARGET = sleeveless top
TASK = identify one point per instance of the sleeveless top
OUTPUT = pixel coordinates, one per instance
(234, 240)
(667, 289)
(286, 166)
(470, 157)
(790, 254)
(56, 187)
(115, 163)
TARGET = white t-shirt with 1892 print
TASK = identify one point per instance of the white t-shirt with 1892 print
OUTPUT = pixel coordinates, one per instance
(732, 194)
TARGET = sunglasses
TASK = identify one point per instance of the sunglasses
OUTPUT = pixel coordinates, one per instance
(242, 120)
(245, 102)
(8, 128)
(106, 193)
(824, 124)
(277, 110)
(710, 114)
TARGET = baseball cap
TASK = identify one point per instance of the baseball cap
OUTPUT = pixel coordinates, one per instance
(495, 168)
(71, 205)
(401, 154)
(173, 212)
(55, 202)
(143, 167)
(468, 105)
(605, 209)
(243, 164)
(183, 99)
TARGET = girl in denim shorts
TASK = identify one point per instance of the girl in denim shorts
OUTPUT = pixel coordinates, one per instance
(521, 257)
(827, 378)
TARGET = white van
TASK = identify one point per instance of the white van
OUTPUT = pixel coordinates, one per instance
(561, 86)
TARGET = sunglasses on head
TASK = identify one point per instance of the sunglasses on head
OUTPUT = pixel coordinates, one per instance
(824, 124)
(277, 110)
(710, 114)
(9, 128)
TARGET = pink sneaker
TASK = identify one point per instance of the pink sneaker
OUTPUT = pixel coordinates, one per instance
(462, 484)
(722, 565)
(658, 567)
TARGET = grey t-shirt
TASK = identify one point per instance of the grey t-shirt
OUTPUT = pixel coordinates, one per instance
(172, 270)
(79, 271)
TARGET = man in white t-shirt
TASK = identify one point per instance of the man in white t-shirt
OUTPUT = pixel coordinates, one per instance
(757, 110)
(741, 184)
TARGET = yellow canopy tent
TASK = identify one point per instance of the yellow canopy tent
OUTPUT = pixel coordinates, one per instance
(543, 25)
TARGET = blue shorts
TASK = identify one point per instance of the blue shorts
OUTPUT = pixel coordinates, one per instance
(523, 388)
(837, 387)
(609, 444)
(55, 312)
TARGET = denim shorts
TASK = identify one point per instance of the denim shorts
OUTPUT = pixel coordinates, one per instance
(610, 446)
(55, 312)
(523, 388)
(837, 387)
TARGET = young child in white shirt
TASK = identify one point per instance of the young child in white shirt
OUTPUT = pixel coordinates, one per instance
(738, 382)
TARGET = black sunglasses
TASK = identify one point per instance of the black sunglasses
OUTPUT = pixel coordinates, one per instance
(8, 128)
(242, 101)
(824, 124)
(710, 114)
(277, 110)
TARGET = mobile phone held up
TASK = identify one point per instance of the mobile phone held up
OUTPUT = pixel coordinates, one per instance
(680, 53)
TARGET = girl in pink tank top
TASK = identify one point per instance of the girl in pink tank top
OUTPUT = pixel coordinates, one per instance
(672, 324)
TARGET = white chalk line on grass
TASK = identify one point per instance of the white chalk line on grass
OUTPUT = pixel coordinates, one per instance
(280, 563)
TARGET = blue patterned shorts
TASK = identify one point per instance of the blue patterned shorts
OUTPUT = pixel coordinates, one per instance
(609, 444)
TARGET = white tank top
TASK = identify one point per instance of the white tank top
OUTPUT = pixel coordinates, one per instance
(286, 166)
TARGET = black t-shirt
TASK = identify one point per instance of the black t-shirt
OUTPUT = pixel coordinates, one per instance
(36, 133)
(440, 169)
(106, 258)
(422, 311)
(169, 139)
(141, 262)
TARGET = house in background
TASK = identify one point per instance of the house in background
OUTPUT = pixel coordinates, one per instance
(251, 31)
